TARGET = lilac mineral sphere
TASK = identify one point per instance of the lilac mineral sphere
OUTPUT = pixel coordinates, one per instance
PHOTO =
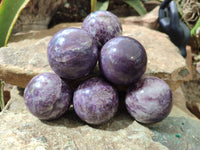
(95, 101)
(103, 26)
(72, 53)
(149, 101)
(123, 60)
(47, 96)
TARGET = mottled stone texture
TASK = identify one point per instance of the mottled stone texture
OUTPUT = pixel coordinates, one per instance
(47, 96)
(66, 47)
(191, 90)
(26, 55)
(103, 26)
(191, 86)
(21, 130)
(149, 100)
(95, 101)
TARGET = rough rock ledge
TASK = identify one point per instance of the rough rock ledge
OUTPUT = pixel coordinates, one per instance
(26, 57)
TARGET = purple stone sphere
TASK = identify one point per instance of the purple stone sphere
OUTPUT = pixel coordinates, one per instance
(72, 53)
(95, 101)
(47, 96)
(149, 100)
(123, 60)
(102, 25)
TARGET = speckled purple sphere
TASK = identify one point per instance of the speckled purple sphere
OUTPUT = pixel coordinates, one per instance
(47, 96)
(149, 101)
(95, 101)
(103, 26)
(123, 60)
(72, 53)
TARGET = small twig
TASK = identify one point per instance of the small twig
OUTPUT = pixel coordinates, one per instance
(2, 102)
(93, 5)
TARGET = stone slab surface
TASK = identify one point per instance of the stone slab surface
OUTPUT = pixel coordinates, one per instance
(149, 20)
(21, 130)
(26, 57)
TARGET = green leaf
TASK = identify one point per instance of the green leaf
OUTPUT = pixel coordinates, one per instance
(9, 12)
(137, 5)
(102, 5)
(93, 5)
(197, 25)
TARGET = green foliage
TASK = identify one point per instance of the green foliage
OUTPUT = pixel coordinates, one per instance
(137, 5)
(197, 25)
(2, 102)
(102, 5)
(9, 12)
(97, 5)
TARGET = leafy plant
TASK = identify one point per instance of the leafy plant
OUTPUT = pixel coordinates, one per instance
(9, 12)
(197, 25)
(137, 5)
(102, 5)
(194, 32)
(98, 5)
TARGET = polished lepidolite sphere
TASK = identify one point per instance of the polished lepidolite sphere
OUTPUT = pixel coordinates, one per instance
(149, 100)
(123, 60)
(47, 96)
(95, 101)
(103, 26)
(72, 53)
